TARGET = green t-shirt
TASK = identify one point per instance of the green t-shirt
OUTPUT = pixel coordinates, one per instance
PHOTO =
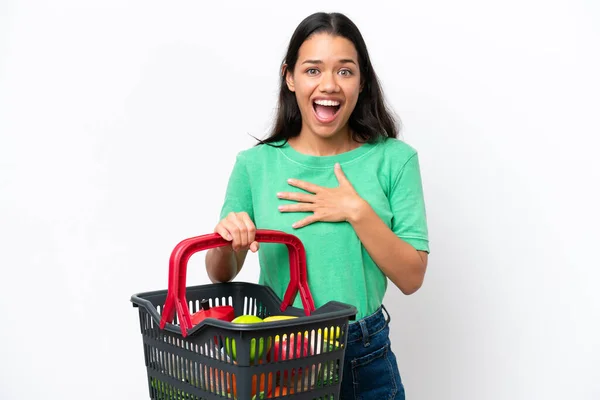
(385, 173)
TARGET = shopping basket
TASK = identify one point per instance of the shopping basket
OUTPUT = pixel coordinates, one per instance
(300, 358)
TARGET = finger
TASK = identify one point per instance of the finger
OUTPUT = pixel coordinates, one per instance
(295, 196)
(254, 246)
(298, 207)
(250, 228)
(307, 186)
(339, 174)
(220, 229)
(237, 228)
(233, 232)
(243, 233)
(304, 222)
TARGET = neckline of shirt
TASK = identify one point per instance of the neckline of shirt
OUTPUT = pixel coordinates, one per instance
(313, 161)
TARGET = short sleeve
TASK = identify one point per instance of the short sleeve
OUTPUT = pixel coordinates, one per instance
(238, 196)
(409, 221)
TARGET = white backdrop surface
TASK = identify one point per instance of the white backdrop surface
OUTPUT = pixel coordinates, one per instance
(120, 121)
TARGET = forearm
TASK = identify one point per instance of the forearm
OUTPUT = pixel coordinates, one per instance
(223, 263)
(398, 260)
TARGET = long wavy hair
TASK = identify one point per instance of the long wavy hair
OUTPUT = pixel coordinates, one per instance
(370, 120)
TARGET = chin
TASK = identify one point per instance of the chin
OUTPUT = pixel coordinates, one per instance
(326, 132)
(326, 135)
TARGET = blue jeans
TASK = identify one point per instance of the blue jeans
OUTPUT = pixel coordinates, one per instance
(370, 367)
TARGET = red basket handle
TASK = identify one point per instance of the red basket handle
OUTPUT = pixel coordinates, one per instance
(176, 300)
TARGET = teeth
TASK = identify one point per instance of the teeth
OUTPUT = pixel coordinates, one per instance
(330, 103)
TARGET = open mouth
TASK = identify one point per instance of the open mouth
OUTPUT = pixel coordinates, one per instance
(326, 110)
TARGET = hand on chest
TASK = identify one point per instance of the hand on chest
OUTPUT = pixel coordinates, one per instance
(310, 197)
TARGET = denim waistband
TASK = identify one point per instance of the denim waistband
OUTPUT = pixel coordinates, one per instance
(370, 325)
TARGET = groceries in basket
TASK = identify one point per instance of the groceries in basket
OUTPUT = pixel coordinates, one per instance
(240, 340)
(224, 313)
(231, 349)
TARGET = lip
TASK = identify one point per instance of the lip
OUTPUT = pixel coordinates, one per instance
(326, 120)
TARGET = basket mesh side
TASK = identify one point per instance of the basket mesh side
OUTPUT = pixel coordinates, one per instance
(300, 360)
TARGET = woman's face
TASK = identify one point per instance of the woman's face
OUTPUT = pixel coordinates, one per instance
(326, 81)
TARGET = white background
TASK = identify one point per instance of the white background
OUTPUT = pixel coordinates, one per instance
(120, 121)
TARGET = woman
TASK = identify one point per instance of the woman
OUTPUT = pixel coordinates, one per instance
(333, 173)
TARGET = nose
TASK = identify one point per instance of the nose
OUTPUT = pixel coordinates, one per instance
(328, 83)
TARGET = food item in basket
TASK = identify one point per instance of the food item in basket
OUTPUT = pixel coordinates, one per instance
(247, 319)
(219, 381)
(273, 318)
(231, 349)
(262, 391)
(328, 333)
(288, 348)
(230, 343)
(224, 313)
(297, 348)
(327, 336)
(279, 391)
(168, 392)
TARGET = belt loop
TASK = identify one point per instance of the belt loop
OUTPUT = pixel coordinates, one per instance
(365, 332)
(389, 317)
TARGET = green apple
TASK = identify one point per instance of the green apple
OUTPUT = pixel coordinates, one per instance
(247, 319)
(231, 350)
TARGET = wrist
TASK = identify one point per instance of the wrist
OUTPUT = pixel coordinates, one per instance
(357, 211)
(221, 264)
(223, 249)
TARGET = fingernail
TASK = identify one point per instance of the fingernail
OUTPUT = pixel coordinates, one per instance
(280, 208)
(279, 194)
(290, 180)
(294, 225)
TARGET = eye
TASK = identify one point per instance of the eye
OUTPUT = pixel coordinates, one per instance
(345, 72)
(312, 71)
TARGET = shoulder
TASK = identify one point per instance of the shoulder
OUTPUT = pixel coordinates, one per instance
(257, 154)
(393, 146)
(396, 151)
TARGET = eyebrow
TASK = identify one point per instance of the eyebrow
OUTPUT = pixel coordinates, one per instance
(342, 61)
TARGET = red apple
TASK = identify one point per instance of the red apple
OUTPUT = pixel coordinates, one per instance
(297, 348)
(289, 348)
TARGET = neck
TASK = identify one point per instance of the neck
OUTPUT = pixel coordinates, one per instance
(309, 143)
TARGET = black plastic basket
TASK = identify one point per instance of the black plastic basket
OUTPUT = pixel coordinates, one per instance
(300, 358)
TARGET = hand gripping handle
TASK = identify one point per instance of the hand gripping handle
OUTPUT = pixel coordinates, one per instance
(176, 300)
